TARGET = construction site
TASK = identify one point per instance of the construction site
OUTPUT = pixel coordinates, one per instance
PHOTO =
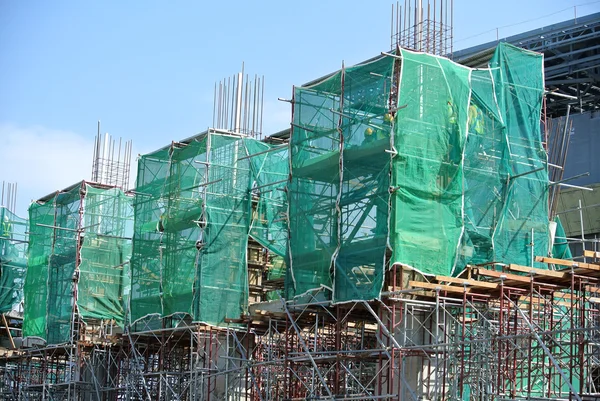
(400, 240)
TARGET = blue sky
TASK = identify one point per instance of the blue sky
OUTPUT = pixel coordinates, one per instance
(147, 69)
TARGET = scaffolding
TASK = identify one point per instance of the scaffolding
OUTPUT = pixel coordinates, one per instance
(193, 216)
(74, 292)
(398, 247)
(79, 251)
(13, 261)
(411, 159)
(492, 334)
(13, 264)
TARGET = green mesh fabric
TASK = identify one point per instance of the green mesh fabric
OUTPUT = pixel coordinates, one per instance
(184, 208)
(146, 259)
(364, 193)
(456, 166)
(519, 90)
(169, 205)
(192, 219)
(430, 134)
(485, 166)
(13, 262)
(62, 263)
(222, 276)
(339, 191)
(270, 170)
(35, 289)
(478, 188)
(313, 188)
(78, 237)
(103, 285)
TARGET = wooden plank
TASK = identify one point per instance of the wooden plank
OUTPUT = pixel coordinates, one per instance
(507, 276)
(593, 289)
(469, 282)
(541, 272)
(541, 302)
(422, 293)
(569, 263)
(431, 286)
(565, 296)
(591, 254)
(534, 299)
(10, 337)
(538, 304)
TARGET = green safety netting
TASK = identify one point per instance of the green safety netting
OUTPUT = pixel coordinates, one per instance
(270, 169)
(222, 276)
(13, 262)
(78, 255)
(61, 265)
(35, 289)
(146, 261)
(340, 176)
(192, 221)
(430, 135)
(486, 166)
(478, 188)
(103, 285)
(312, 192)
(414, 159)
(456, 165)
(168, 207)
(519, 88)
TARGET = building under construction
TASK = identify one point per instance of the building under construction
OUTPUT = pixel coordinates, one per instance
(398, 242)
